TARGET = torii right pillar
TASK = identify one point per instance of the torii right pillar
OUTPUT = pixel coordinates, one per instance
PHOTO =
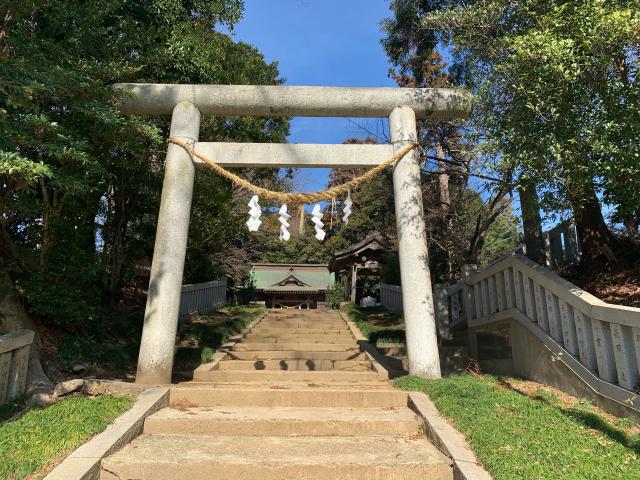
(417, 296)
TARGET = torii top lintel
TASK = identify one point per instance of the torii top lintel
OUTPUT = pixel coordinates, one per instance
(290, 101)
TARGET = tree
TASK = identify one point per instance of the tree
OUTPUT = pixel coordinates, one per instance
(449, 150)
(81, 182)
(557, 97)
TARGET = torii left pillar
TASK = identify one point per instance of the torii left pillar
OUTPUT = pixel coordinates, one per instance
(155, 361)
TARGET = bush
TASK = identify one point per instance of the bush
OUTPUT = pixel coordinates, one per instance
(336, 293)
(391, 270)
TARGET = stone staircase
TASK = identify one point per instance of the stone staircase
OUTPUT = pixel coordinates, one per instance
(295, 399)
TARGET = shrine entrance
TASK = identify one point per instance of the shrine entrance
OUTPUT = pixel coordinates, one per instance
(186, 104)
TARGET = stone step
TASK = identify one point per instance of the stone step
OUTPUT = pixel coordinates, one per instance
(297, 346)
(303, 325)
(282, 421)
(284, 375)
(290, 385)
(270, 331)
(284, 395)
(295, 354)
(328, 338)
(164, 457)
(296, 365)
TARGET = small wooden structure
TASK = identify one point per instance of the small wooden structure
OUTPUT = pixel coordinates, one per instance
(14, 363)
(366, 256)
(291, 285)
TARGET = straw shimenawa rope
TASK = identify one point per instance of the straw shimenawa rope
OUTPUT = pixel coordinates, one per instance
(296, 198)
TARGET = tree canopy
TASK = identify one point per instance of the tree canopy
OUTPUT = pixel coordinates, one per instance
(81, 182)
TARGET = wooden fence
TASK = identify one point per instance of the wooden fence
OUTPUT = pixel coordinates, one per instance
(600, 342)
(14, 363)
(203, 297)
(391, 297)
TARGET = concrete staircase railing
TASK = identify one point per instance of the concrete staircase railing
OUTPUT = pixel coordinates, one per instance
(598, 341)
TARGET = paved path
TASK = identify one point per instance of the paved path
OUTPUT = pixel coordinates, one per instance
(296, 399)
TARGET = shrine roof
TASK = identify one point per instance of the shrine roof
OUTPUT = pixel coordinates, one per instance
(373, 245)
(291, 277)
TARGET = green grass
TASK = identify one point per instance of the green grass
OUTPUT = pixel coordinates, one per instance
(539, 437)
(199, 338)
(45, 434)
(378, 324)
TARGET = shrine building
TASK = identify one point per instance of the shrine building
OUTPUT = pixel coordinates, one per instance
(291, 285)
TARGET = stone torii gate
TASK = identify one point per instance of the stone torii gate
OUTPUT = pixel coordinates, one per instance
(186, 103)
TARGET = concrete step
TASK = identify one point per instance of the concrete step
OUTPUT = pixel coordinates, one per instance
(283, 375)
(328, 338)
(296, 365)
(270, 331)
(164, 457)
(297, 346)
(284, 395)
(282, 421)
(295, 354)
(304, 325)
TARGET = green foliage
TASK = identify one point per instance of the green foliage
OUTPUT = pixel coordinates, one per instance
(391, 270)
(516, 436)
(304, 248)
(556, 92)
(502, 237)
(198, 339)
(45, 434)
(377, 323)
(82, 182)
(247, 291)
(336, 292)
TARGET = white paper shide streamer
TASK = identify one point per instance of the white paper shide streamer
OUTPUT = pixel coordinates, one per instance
(347, 208)
(316, 218)
(284, 223)
(255, 211)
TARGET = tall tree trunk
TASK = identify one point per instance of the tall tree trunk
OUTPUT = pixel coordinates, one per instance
(445, 210)
(531, 222)
(597, 242)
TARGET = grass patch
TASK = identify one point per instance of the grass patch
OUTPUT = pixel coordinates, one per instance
(45, 434)
(532, 437)
(199, 338)
(378, 324)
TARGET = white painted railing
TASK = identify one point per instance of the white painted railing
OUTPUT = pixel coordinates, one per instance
(391, 297)
(449, 305)
(14, 363)
(597, 340)
(203, 297)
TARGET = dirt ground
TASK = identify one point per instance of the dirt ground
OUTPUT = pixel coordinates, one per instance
(619, 288)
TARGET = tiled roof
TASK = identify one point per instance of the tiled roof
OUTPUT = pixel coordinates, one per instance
(312, 281)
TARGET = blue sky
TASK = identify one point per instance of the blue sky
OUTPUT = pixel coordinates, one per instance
(320, 42)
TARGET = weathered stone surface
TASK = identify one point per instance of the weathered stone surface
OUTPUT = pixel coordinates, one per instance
(155, 360)
(278, 458)
(284, 414)
(78, 367)
(417, 298)
(70, 386)
(84, 462)
(291, 101)
(111, 387)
